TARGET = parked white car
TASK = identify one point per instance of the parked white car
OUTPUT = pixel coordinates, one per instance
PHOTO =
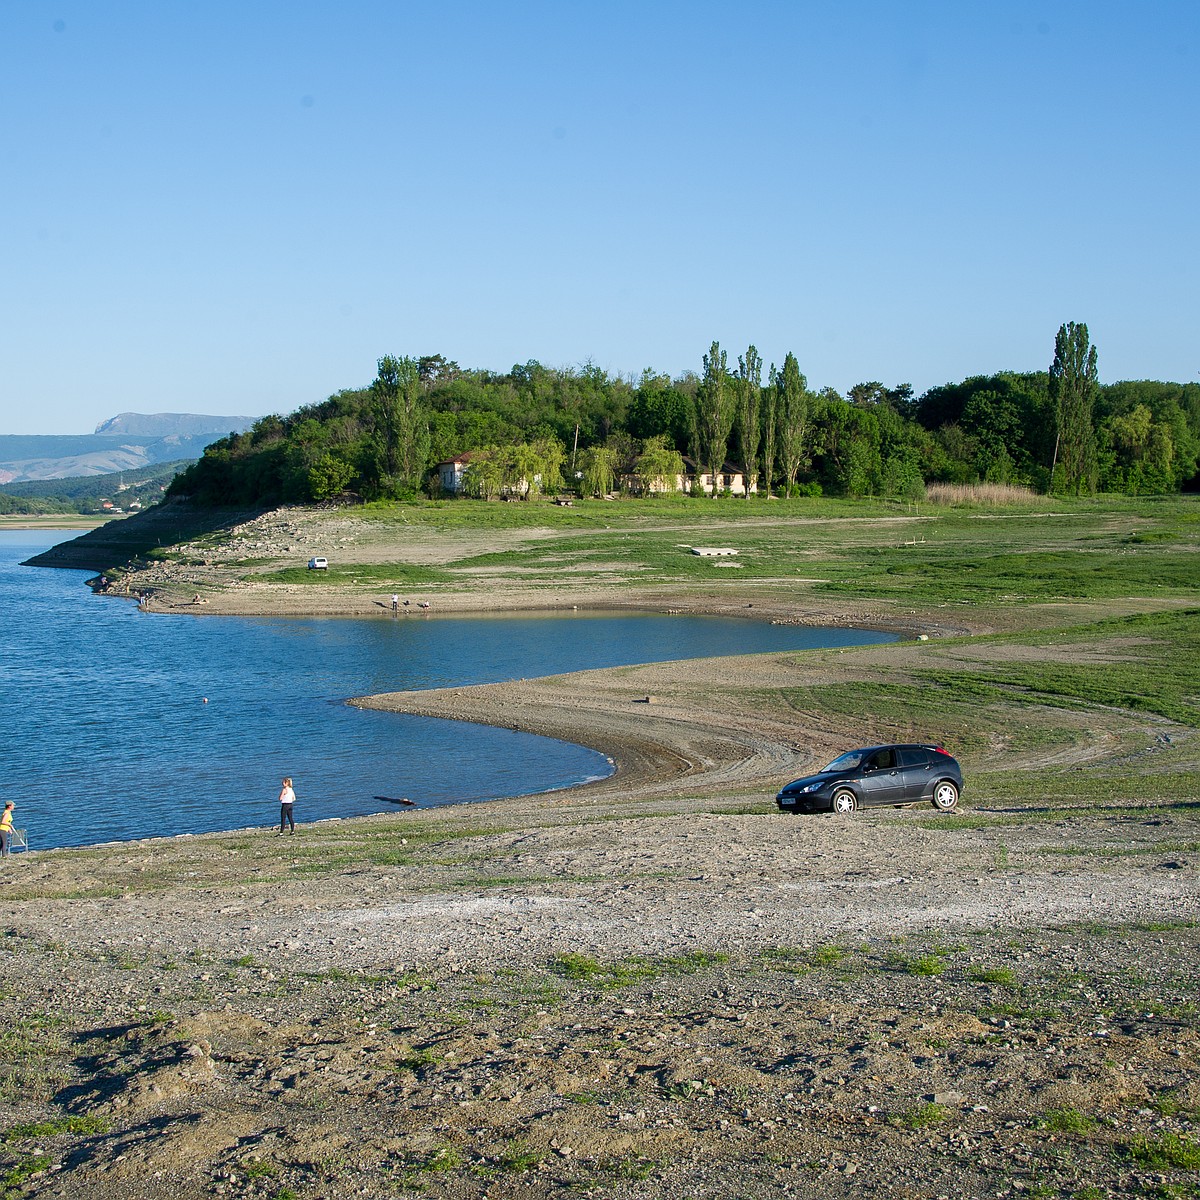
(318, 564)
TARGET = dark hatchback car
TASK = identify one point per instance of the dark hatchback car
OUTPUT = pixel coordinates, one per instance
(873, 775)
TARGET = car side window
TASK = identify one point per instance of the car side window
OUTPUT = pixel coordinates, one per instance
(882, 760)
(914, 758)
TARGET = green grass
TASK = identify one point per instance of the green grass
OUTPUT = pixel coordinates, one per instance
(920, 964)
(1002, 975)
(80, 1126)
(520, 1155)
(1148, 663)
(15, 1179)
(1058, 550)
(1164, 1150)
(1066, 1120)
(381, 575)
(923, 1116)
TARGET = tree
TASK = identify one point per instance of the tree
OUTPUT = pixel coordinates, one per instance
(659, 466)
(1073, 390)
(599, 470)
(401, 420)
(483, 475)
(770, 428)
(794, 412)
(749, 403)
(714, 414)
(657, 408)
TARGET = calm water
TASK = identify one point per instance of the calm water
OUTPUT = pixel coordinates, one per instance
(106, 735)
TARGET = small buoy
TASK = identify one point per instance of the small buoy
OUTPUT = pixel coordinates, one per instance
(203, 699)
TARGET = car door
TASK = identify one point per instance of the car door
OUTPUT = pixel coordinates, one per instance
(881, 777)
(916, 770)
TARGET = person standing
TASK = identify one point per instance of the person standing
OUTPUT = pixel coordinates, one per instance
(287, 798)
(395, 603)
(6, 827)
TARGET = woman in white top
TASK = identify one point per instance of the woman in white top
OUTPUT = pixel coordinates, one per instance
(287, 798)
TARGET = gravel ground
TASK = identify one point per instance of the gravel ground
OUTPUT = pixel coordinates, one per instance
(542, 997)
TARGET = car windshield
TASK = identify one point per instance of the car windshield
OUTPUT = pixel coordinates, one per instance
(847, 762)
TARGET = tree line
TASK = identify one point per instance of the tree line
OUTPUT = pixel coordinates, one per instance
(542, 428)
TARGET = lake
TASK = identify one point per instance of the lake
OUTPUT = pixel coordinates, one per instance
(107, 735)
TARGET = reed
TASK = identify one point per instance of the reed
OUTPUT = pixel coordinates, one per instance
(991, 494)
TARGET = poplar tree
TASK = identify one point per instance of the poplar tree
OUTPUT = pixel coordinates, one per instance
(749, 404)
(1073, 392)
(770, 428)
(714, 414)
(793, 404)
(401, 421)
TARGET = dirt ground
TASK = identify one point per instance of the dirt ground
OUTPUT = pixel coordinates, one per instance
(653, 986)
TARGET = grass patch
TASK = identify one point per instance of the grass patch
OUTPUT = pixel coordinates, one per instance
(17, 1177)
(582, 968)
(1066, 1120)
(520, 1155)
(382, 575)
(920, 964)
(922, 1116)
(1164, 1150)
(1001, 975)
(80, 1126)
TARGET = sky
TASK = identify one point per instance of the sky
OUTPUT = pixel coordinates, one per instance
(238, 208)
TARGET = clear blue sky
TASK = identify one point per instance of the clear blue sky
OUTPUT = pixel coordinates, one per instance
(238, 207)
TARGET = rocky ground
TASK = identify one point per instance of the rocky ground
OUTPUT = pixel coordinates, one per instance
(542, 998)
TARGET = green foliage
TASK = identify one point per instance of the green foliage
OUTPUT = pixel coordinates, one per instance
(749, 404)
(922, 1116)
(83, 494)
(715, 408)
(1073, 392)
(659, 468)
(16, 1177)
(921, 964)
(1164, 1150)
(1001, 975)
(80, 1126)
(520, 1155)
(384, 441)
(1066, 1120)
(793, 406)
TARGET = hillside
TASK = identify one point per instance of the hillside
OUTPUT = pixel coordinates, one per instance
(127, 490)
(127, 442)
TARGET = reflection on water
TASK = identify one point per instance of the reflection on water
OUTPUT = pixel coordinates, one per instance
(121, 724)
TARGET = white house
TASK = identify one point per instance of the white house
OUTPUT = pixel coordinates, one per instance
(450, 473)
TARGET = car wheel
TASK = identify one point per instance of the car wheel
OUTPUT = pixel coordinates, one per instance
(843, 802)
(945, 796)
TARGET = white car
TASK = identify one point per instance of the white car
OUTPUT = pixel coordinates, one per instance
(318, 564)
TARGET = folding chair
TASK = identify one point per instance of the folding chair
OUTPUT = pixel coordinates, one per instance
(18, 839)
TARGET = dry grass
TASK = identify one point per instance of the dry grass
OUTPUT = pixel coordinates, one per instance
(979, 493)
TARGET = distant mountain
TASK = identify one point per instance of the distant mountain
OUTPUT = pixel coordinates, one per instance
(127, 442)
(161, 425)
